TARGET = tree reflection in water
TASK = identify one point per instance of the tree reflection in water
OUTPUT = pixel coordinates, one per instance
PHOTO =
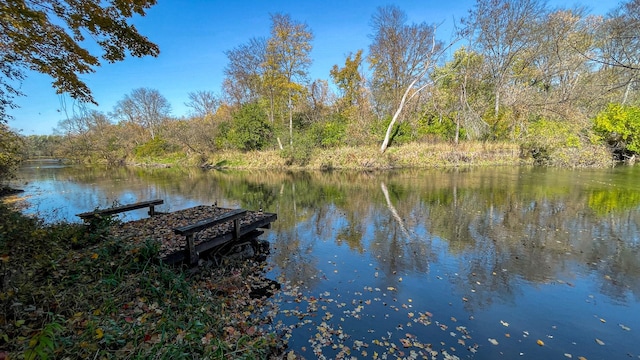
(542, 246)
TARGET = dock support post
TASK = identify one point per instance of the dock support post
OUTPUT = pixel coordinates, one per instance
(236, 229)
(193, 256)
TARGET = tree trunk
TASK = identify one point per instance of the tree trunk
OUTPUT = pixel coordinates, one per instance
(290, 121)
(404, 99)
(387, 136)
(626, 92)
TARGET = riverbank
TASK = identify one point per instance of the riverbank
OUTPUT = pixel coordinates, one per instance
(413, 155)
(67, 292)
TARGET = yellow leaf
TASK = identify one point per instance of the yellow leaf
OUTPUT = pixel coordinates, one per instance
(540, 342)
(99, 334)
(94, 256)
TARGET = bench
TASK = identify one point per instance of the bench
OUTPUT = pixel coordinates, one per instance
(190, 230)
(92, 215)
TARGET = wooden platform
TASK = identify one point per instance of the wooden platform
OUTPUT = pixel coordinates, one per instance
(173, 246)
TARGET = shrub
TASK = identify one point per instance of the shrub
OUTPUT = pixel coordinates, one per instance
(545, 137)
(300, 153)
(154, 148)
(250, 130)
(442, 128)
(330, 133)
(402, 132)
(619, 127)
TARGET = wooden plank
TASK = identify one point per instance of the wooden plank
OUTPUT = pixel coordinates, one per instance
(244, 231)
(207, 223)
(192, 252)
(118, 209)
(265, 222)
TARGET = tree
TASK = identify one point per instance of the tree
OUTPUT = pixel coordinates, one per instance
(42, 145)
(203, 103)
(619, 39)
(84, 134)
(619, 46)
(46, 36)
(502, 32)
(349, 81)
(144, 107)
(557, 68)
(288, 59)
(401, 56)
(11, 145)
(457, 94)
(244, 73)
(397, 55)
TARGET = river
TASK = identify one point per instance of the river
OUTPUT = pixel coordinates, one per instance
(486, 263)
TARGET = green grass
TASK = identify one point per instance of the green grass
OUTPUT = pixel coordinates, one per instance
(69, 293)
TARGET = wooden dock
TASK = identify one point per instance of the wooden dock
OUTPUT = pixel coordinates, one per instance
(185, 235)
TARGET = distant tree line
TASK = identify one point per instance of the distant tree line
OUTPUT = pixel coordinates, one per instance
(551, 79)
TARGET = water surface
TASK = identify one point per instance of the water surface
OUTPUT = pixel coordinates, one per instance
(486, 263)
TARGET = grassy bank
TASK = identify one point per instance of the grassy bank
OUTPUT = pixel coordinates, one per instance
(66, 292)
(414, 155)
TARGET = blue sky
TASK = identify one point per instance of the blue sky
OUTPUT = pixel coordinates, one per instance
(193, 36)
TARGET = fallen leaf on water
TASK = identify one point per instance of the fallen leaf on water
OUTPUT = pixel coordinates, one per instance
(504, 323)
(568, 356)
(493, 341)
(405, 343)
(540, 342)
(582, 358)
(623, 327)
(599, 342)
